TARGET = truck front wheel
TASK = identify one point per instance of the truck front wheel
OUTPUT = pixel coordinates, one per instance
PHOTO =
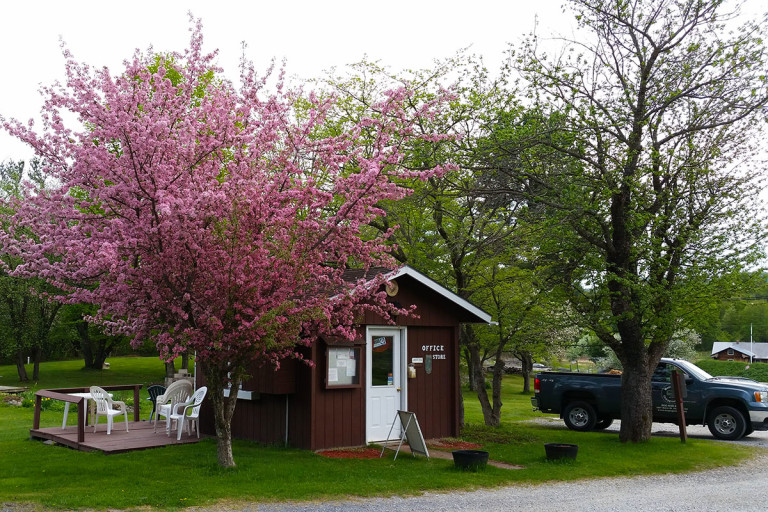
(579, 416)
(726, 423)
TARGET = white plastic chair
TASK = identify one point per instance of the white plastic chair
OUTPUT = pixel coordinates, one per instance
(188, 412)
(105, 406)
(178, 392)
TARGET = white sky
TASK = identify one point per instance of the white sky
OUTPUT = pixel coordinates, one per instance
(313, 35)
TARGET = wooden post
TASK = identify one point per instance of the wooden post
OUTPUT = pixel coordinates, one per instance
(38, 405)
(81, 420)
(136, 415)
(680, 392)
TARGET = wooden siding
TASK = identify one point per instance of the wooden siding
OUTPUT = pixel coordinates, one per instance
(432, 309)
(263, 419)
(300, 413)
(736, 356)
(338, 414)
(264, 378)
(433, 397)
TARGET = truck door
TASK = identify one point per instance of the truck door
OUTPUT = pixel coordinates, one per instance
(664, 408)
(662, 394)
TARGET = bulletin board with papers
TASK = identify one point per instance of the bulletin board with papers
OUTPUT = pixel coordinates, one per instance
(343, 367)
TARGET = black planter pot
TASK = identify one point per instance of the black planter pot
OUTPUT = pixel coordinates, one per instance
(561, 451)
(470, 460)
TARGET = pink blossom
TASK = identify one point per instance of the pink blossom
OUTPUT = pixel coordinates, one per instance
(207, 218)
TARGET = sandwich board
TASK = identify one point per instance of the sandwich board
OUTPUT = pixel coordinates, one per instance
(411, 431)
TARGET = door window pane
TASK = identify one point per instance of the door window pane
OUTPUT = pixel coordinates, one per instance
(382, 356)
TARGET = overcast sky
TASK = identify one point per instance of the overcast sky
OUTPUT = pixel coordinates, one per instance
(312, 35)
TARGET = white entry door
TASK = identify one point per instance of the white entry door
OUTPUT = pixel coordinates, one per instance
(384, 383)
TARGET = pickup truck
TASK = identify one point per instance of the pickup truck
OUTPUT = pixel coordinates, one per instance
(731, 407)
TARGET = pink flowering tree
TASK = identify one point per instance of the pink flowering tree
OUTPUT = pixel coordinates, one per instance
(209, 218)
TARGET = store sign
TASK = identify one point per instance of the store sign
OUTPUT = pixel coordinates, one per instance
(436, 351)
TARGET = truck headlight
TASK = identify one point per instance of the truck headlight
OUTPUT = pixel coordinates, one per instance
(761, 396)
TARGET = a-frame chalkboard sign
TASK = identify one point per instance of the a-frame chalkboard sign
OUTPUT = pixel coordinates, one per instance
(410, 431)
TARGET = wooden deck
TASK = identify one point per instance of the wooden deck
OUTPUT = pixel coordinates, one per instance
(140, 436)
(13, 389)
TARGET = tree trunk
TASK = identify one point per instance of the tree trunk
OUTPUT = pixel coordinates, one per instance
(223, 410)
(470, 368)
(48, 311)
(85, 342)
(223, 436)
(20, 369)
(18, 315)
(491, 410)
(185, 361)
(482, 393)
(636, 404)
(526, 362)
(102, 353)
(95, 351)
(498, 377)
(170, 369)
(37, 355)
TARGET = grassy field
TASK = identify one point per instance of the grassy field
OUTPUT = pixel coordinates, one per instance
(65, 374)
(187, 475)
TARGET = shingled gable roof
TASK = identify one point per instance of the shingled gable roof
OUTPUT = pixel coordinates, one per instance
(474, 312)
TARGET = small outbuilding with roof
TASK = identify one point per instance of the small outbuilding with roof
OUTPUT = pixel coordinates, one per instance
(740, 351)
(351, 393)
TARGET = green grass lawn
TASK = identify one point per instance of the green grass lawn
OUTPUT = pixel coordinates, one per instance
(66, 374)
(188, 475)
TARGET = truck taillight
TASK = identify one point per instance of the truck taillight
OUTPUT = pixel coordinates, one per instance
(536, 385)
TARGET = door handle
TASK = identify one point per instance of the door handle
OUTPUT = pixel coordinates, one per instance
(398, 389)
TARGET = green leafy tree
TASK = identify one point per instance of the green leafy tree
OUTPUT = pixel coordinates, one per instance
(93, 343)
(682, 345)
(529, 322)
(28, 314)
(449, 228)
(658, 110)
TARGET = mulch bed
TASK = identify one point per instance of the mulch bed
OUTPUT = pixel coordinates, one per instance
(351, 453)
(373, 453)
(452, 444)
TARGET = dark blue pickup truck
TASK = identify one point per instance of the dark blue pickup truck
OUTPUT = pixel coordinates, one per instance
(731, 407)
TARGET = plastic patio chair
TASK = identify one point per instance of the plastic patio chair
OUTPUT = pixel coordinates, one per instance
(154, 391)
(188, 412)
(105, 406)
(176, 393)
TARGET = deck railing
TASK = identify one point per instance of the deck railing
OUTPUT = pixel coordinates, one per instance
(62, 394)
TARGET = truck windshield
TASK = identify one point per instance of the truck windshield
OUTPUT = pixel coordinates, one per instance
(693, 370)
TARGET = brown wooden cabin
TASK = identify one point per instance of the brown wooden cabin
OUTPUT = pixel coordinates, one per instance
(740, 351)
(351, 395)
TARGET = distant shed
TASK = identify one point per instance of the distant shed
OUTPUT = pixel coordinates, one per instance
(351, 395)
(740, 351)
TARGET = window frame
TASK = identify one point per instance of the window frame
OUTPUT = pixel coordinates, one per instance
(332, 353)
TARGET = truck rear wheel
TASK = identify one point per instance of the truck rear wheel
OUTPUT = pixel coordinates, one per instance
(726, 423)
(579, 416)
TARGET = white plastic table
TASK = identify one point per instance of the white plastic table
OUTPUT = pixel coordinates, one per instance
(87, 397)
